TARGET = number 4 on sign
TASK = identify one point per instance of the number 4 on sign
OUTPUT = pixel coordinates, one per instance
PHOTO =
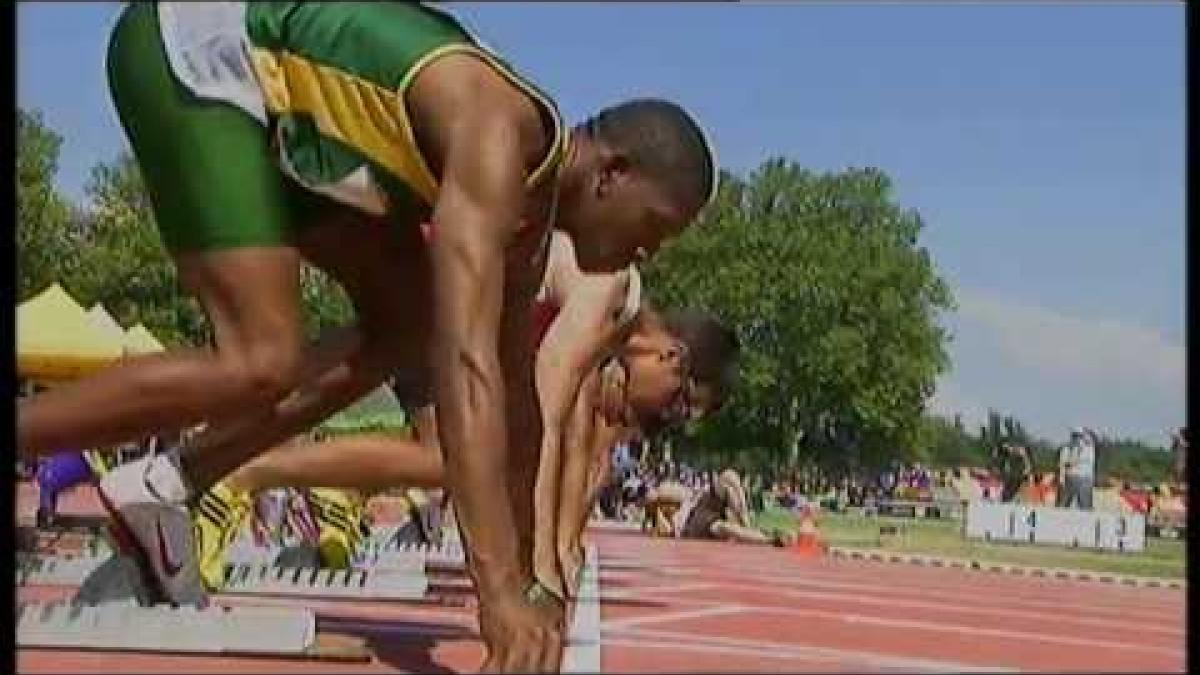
(1031, 521)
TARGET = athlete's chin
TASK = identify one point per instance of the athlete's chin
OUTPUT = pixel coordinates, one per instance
(595, 260)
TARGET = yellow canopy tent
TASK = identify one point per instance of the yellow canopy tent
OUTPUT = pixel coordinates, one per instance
(56, 339)
(139, 340)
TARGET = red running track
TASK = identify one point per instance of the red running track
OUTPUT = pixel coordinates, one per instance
(704, 606)
(687, 606)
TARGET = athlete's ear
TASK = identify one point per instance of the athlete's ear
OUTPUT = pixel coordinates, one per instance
(613, 168)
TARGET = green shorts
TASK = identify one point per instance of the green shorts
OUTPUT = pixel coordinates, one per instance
(208, 166)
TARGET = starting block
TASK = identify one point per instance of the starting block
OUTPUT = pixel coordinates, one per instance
(582, 652)
(75, 541)
(368, 584)
(383, 543)
(116, 578)
(449, 556)
(52, 570)
(272, 631)
(374, 553)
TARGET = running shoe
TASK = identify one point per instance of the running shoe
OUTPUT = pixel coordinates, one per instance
(55, 475)
(299, 522)
(217, 518)
(268, 516)
(100, 462)
(339, 515)
(150, 521)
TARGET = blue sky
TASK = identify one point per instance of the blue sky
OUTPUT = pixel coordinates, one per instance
(1043, 144)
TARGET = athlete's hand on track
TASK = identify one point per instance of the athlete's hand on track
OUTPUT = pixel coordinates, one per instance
(523, 632)
(570, 560)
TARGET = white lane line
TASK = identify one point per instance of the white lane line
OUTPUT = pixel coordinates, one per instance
(972, 631)
(1020, 603)
(949, 607)
(714, 649)
(679, 640)
(682, 615)
(626, 593)
(582, 651)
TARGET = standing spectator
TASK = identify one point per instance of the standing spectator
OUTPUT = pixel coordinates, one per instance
(887, 481)
(920, 477)
(1015, 469)
(622, 458)
(1077, 470)
(843, 493)
(1179, 449)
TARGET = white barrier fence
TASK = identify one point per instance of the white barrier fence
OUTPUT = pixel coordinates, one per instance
(1103, 530)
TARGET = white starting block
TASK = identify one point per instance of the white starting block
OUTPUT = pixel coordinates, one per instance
(372, 584)
(106, 579)
(52, 570)
(371, 554)
(245, 552)
(240, 630)
(582, 652)
(449, 556)
(1104, 530)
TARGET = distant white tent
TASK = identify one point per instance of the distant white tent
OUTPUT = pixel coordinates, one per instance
(139, 340)
(104, 321)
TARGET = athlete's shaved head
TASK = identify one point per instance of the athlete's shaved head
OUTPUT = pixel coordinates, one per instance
(661, 141)
(638, 173)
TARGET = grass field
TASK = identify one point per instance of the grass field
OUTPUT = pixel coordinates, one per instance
(1162, 557)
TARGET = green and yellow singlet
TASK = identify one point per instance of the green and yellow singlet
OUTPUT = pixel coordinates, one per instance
(332, 79)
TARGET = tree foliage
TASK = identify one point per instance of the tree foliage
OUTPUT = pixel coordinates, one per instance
(124, 266)
(836, 306)
(950, 444)
(835, 303)
(44, 233)
(109, 251)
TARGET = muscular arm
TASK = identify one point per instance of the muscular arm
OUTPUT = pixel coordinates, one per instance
(587, 434)
(478, 209)
(585, 327)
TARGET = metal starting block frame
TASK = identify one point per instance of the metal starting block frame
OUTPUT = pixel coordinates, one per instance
(220, 630)
(582, 652)
(367, 584)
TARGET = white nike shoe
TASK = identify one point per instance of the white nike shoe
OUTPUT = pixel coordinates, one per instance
(150, 521)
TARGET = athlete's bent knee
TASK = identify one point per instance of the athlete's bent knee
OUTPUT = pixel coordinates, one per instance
(266, 372)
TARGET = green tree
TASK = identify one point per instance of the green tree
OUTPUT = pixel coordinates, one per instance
(948, 444)
(834, 302)
(325, 303)
(123, 264)
(126, 268)
(1132, 461)
(45, 236)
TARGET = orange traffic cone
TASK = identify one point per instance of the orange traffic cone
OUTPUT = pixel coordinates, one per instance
(808, 543)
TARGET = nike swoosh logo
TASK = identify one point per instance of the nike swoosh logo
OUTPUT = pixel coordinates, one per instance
(171, 568)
